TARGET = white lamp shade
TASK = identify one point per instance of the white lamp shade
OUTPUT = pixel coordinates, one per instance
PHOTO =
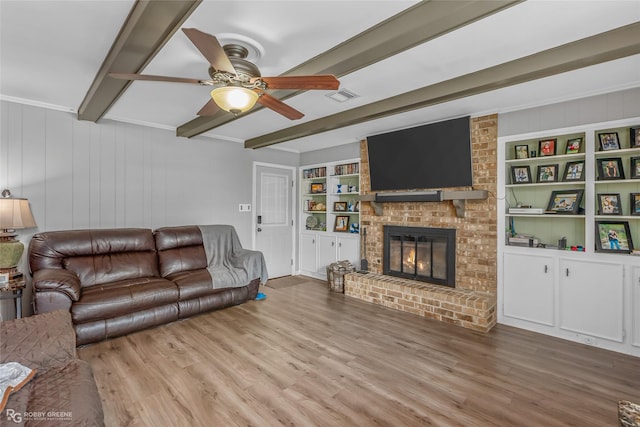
(234, 99)
(15, 213)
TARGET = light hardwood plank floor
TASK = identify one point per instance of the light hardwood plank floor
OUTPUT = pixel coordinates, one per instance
(310, 357)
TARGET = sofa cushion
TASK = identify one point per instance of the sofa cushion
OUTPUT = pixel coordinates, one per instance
(66, 394)
(193, 283)
(126, 296)
(96, 256)
(179, 249)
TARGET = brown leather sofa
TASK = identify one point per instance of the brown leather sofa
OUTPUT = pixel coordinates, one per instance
(116, 281)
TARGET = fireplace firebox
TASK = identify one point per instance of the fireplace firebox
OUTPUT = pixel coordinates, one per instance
(420, 253)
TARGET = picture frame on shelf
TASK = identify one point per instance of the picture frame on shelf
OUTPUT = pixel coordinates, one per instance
(339, 206)
(317, 188)
(547, 147)
(610, 168)
(574, 171)
(613, 237)
(634, 137)
(521, 175)
(609, 204)
(565, 201)
(341, 224)
(634, 204)
(548, 173)
(573, 146)
(311, 205)
(522, 151)
(609, 141)
(634, 166)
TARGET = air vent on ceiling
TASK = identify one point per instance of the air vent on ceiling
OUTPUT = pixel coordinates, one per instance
(342, 95)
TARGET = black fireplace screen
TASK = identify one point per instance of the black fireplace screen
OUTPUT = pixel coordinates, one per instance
(426, 254)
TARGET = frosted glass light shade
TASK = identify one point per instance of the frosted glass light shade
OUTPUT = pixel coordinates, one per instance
(234, 99)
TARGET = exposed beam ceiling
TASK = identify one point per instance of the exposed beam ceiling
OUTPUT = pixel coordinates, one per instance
(415, 25)
(604, 47)
(147, 28)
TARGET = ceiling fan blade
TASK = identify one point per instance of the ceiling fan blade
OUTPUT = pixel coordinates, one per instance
(209, 109)
(321, 82)
(279, 107)
(210, 48)
(127, 76)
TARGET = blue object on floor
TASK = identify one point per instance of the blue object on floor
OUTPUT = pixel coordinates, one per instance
(260, 296)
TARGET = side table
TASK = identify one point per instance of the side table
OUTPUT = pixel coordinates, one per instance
(14, 291)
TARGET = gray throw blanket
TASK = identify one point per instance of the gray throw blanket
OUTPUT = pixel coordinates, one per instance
(229, 264)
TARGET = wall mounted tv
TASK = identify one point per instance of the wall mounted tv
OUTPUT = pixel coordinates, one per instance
(436, 155)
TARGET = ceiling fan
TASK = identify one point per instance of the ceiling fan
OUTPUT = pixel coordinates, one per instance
(238, 85)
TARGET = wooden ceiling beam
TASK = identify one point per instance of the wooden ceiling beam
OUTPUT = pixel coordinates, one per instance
(608, 46)
(418, 24)
(148, 27)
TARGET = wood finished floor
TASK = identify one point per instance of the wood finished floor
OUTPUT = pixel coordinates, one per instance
(310, 357)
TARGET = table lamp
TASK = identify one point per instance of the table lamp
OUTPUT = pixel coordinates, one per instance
(15, 213)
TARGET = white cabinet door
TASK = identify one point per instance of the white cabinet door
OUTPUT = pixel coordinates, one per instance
(308, 252)
(349, 249)
(327, 252)
(635, 306)
(591, 298)
(528, 288)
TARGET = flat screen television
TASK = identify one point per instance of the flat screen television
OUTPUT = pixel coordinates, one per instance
(432, 156)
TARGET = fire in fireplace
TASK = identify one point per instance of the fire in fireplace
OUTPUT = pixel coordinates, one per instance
(420, 253)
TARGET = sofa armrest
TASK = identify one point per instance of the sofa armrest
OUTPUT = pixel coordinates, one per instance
(39, 341)
(57, 280)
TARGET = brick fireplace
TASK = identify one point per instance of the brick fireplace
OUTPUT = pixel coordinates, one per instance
(472, 302)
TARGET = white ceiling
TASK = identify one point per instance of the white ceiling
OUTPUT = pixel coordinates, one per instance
(50, 52)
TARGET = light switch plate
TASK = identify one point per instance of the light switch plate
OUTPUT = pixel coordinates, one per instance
(244, 207)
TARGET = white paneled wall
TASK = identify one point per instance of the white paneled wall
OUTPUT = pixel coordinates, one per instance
(79, 174)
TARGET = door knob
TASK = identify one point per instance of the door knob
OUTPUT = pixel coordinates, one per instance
(259, 229)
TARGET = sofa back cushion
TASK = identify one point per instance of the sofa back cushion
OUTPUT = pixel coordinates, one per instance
(180, 249)
(96, 256)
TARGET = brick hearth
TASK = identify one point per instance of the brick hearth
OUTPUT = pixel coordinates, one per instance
(472, 303)
(461, 307)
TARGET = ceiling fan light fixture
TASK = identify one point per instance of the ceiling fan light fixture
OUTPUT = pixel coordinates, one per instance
(234, 99)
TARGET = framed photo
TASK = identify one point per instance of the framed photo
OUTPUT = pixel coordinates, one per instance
(547, 147)
(311, 205)
(609, 141)
(342, 223)
(565, 201)
(634, 204)
(340, 206)
(4, 280)
(635, 167)
(520, 175)
(613, 236)
(634, 137)
(522, 151)
(609, 204)
(548, 173)
(574, 171)
(573, 146)
(317, 188)
(610, 168)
